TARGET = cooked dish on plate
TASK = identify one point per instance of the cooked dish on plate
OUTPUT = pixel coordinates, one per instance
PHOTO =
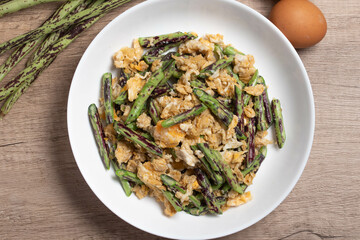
(185, 121)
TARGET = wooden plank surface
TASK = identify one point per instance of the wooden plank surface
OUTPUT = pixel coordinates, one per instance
(44, 196)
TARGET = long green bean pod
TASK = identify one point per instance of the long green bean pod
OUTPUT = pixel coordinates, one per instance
(23, 50)
(17, 5)
(61, 24)
(279, 122)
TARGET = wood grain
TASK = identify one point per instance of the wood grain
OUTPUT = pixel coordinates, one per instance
(44, 196)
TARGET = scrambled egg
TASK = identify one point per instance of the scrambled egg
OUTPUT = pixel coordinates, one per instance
(168, 137)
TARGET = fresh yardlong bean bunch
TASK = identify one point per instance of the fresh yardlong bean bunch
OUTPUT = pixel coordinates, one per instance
(22, 82)
(16, 5)
(63, 23)
(23, 50)
(73, 7)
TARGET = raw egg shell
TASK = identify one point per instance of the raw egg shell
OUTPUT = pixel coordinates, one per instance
(300, 21)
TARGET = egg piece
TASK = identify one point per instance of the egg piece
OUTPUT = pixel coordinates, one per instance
(300, 21)
(168, 137)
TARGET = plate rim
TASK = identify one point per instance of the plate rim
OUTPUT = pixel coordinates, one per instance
(311, 127)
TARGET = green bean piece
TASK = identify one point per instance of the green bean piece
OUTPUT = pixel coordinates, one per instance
(137, 138)
(154, 111)
(259, 108)
(266, 102)
(197, 84)
(230, 51)
(107, 93)
(222, 113)
(279, 122)
(218, 52)
(196, 211)
(254, 166)
(212, 171)
(129, 176)
(144, 94)
(216, 159)
(207, 191)
(165, 39)
(172, 184)
(173, 201)
(251, 83)
(212, 68)
(121, 99)
(99, 135)
(182, 117)
(124, 183)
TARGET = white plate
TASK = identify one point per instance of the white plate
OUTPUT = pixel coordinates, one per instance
(276, 60)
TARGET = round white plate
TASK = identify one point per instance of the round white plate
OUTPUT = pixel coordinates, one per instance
(276, 60)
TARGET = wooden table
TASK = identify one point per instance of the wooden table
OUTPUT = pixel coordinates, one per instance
(44, 196)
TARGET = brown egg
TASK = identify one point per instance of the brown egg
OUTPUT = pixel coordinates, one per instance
(300, 21)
